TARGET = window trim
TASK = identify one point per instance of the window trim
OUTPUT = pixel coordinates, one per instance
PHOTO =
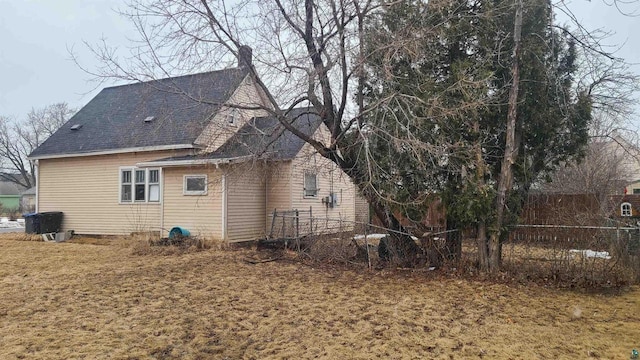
(186, 192)
(144, 183)
(122, 183)
(304, 185)
(628, 212)
(149, 183)
(133, 183)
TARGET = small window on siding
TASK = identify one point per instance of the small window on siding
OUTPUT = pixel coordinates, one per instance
(195, 185)
(310, 184)
(625, 209)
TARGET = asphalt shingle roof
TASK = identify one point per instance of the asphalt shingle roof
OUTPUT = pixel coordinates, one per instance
(114, 119)
(8, 187)
(264, 137)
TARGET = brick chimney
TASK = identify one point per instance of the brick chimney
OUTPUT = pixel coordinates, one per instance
(244, 56)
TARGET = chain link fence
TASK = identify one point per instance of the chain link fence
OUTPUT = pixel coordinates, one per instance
(571, 255)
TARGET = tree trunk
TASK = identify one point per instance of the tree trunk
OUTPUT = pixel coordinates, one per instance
(505, 178)
(398, 248)
(453, 245)
(483, 249)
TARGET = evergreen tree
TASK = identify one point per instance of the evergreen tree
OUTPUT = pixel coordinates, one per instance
(447, 89)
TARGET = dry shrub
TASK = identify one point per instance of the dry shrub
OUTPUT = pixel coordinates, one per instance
(155, 245)
(335, 248)
(528, 262)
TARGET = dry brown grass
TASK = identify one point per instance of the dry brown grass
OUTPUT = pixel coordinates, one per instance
(84, 301)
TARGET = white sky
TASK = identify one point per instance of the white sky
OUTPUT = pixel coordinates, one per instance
(35, 35)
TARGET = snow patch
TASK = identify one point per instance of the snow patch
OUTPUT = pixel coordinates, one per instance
(5, 223)
(591, 254)
(375, 236)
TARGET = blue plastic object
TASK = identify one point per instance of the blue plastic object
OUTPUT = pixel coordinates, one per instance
(178, 231)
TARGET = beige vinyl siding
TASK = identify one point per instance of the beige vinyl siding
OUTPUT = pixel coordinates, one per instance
(278, 189)
(285, 189)
(200, 214)
(219, 131)
(86, 189)
(330, 179)
(245, 202)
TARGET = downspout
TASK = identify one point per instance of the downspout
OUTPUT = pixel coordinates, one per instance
(161, 201)
(224, 207)
(37, 167)
(267, 176)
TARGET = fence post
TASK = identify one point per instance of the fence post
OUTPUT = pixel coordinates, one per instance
(366, 244)
(273, 222)
(297, 230)
(311, 219)
(284, 224)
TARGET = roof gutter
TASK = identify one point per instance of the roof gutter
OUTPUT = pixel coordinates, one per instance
(194, 162)
(117, 151)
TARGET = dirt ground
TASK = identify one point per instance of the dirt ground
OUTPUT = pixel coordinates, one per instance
(89, 301)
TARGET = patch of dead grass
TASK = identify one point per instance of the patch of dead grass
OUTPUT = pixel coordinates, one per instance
(20, 236)
(72, 301)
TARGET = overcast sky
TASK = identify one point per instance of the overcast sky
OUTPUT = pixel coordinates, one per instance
(35, 35)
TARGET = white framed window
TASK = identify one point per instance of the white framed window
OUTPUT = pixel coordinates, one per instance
(195, 185)
(154, 185)
(625, 209)
(139, 185)
(233, 116)
(310, 184)
(126, 192)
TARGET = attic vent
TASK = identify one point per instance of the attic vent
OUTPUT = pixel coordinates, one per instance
(149, 119)
(76, 127)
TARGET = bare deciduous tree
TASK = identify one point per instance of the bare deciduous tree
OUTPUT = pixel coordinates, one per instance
(19, 138)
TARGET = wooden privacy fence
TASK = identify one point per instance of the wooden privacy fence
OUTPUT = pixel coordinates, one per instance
(566, 236)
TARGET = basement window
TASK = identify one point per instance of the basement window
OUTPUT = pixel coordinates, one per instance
(625, 209)
(195, 185)
(139, 185)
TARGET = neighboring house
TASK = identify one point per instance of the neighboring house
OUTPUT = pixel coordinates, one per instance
(28, 200)
(154, 155)
(624, 156)
(9, 195)
(625, 208)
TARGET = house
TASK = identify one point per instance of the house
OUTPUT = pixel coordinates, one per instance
(195, 151)
(28, 200)
(9, 194)
(625, 208)
(623, 158)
